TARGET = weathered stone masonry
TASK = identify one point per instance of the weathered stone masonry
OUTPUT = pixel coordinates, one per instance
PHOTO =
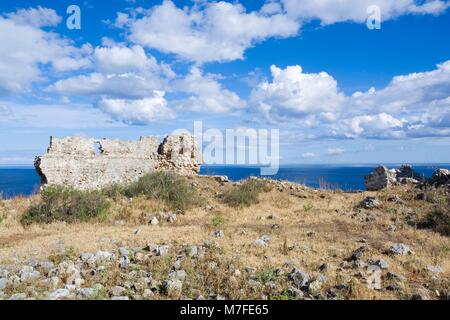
(86, 163)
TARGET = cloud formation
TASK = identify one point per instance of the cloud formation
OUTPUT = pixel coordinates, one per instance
(205, 94)
(26, 49)
(125, 80)
(295, 94)
(332, 11)
(411, 105)
(36, 17)
(207, 32)
(138, 111)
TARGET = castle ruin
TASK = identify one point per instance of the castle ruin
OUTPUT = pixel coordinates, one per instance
(86, 163)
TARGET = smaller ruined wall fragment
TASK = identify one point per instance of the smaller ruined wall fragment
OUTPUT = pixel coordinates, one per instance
(379, 179)
(382, 177)
(86, 163)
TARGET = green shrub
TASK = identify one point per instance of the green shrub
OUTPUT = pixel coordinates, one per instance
(174, 190)
(67, 254)
(218, 221)
(437, 220)
(246, 193)
(67, 204)
(114, 191)
(308, 207)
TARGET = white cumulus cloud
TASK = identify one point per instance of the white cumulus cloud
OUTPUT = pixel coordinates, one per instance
(412, 105)
(332, 11)
(26, 49)
(140, 111)
(36, 17)
(127, 85)
(295, 94)
(121, 59)
(214, 31)
(205, 94)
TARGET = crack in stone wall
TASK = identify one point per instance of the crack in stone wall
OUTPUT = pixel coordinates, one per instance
(87, 163)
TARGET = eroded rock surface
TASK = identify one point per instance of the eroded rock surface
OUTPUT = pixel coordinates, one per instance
(441, 177)
(86, 163)
(382, 177)
(379, 179)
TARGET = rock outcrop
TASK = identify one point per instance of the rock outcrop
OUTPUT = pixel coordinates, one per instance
(86, 163)
(379, 179)
(441, 177)
(382, 177)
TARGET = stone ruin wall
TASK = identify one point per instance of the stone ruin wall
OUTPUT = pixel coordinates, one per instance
(86, 163)
(382, 177)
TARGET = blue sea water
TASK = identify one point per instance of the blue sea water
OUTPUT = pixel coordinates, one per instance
(18, 181)
(345, 177)
(15, 181)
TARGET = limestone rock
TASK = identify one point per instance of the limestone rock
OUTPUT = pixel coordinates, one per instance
(172, 287)
(162, 250)
(370, 203)
(124, 252)
(28, 274)
(260, 243)
(400, 248)
(59, 294)
(383, 264)
(440, 177)
(382, 177)
(18, 296)
(434, 269)
(299, 278)
(178, 274)
(219, 234)
(117, 291)
(154, 221)
(3, 283)
(379, 179)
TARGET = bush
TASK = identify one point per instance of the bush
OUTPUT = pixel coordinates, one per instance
(437, 220)
(218, 221)
(246, 193)
(172, 189)
(308, 207)
(114, 191)
(67, 204)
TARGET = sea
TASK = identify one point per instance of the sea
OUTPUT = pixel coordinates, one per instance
(23, 181)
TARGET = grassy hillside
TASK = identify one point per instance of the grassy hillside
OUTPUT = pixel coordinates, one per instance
(200, 238)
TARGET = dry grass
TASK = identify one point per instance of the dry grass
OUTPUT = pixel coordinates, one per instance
(246, 193)
(314, 227)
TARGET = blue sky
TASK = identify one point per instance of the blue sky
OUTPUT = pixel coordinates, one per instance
(338, 92)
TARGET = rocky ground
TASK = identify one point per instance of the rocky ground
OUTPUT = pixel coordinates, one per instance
(296, 243)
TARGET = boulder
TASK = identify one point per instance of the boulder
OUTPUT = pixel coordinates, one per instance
(400, 248)
(370, 203)
(379, 179)
(59, 294)
(440, 177)
(172, 287)
(219, 234)
(299, 278)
